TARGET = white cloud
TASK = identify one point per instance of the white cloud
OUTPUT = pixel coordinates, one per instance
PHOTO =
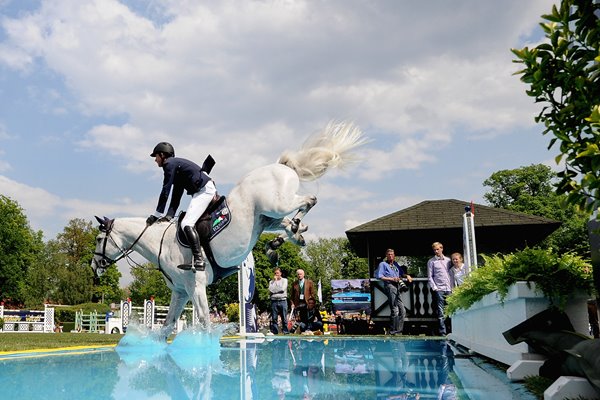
(38, 202)
(246, 80)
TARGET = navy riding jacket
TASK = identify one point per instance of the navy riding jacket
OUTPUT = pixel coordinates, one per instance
(180, 175)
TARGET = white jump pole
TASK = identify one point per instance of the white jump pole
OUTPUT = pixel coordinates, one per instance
(469, 246)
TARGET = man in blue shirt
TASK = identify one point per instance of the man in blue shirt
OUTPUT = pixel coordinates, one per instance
(392, 276)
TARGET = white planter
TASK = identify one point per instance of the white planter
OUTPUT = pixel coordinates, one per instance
(480, 327)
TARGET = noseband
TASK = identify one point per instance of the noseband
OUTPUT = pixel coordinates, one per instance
(106, 261)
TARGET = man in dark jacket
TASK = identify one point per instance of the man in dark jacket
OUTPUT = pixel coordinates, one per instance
(180, 175)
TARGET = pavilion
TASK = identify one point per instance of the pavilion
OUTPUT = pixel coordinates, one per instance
(411, 231)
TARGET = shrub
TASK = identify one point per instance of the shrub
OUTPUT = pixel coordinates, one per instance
(556, 276)
(232, 310)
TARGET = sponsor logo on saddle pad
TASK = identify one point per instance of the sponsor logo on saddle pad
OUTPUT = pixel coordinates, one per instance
(220, 218)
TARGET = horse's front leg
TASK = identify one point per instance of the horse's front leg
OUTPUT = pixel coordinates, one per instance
(178, 302)
(196, 289)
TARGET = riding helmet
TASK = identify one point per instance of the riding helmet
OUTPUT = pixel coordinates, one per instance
(163, 147)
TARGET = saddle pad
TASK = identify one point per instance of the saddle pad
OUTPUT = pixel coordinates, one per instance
(209, 225)
(219, 219)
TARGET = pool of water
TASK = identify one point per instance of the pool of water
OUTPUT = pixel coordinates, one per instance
(198, 365)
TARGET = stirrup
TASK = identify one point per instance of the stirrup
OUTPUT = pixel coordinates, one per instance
(193, 267)
(198, 266)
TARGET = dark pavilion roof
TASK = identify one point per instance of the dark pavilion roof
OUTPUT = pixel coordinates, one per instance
(412, 231)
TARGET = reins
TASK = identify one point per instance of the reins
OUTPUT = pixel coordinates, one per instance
(107, 261)
(160, 247)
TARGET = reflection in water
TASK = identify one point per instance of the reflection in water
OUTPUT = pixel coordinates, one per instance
(198, 366)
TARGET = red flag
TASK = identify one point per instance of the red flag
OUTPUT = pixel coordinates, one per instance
(472, 208)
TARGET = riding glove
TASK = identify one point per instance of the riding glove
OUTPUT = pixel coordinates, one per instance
(151, 219)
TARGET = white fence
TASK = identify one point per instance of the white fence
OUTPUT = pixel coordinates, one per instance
(39, 321)
(149, 315)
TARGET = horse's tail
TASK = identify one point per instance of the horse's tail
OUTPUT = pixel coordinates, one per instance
(333, 147)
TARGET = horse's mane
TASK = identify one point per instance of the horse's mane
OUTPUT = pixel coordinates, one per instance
(332, 147)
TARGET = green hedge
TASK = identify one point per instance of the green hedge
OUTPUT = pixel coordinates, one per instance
(67, 313)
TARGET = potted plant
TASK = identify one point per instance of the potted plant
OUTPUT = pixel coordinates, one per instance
(511, 288)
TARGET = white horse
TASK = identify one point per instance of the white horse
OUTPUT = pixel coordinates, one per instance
(261, 201)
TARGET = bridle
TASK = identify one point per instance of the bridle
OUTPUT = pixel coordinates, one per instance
(105, 262)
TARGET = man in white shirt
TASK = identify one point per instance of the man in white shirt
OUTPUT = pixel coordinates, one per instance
(278, 291)
(439, 281)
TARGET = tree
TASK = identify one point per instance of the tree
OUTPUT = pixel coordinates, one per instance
(76, 243)
(65, 275)
(523, 189)
(148, 282)
(530, 190)
(107, 288)
(563, 74)
(290, 259)
(20, 247)
(333, 258)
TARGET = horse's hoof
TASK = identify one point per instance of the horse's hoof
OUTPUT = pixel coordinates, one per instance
(274, 244)
(300, 241)
(273, 257)
(295, 225)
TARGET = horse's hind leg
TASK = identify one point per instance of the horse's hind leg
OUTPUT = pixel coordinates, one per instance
(271, 249)
(295, 225)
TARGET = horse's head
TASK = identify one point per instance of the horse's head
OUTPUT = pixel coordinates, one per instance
(106, 248)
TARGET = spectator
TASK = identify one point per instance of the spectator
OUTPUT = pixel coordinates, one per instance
(310, 318)
(302, 290)
(458, 272)
(392, 276)
(440, 283)
(278, 292)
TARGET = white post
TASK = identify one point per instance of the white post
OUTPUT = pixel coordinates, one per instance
(469, 247)
(48, 318)
(125, 314)
(149, 313)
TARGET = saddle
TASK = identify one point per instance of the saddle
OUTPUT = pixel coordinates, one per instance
(212, 222)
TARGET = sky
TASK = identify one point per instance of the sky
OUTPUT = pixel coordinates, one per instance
(88, 87)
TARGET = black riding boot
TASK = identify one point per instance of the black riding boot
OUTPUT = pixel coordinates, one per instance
(194, 240)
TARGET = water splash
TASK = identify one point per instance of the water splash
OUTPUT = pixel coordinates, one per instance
(139, 337)
(196, 348)
(192, 349)
(140, 345)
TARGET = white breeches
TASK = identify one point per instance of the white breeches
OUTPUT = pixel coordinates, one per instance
(198, 204)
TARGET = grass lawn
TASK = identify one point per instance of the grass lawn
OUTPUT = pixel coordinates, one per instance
(32, 341)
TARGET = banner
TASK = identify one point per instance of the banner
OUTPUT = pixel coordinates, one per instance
(248, 317)
(351, 295)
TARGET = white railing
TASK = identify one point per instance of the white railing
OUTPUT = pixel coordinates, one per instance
(149, 315)
(35, 321)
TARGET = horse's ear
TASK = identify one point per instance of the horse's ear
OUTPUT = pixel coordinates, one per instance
(101, 222)
(105, 224)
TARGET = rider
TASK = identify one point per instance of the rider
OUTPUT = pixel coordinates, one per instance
(183, 174)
